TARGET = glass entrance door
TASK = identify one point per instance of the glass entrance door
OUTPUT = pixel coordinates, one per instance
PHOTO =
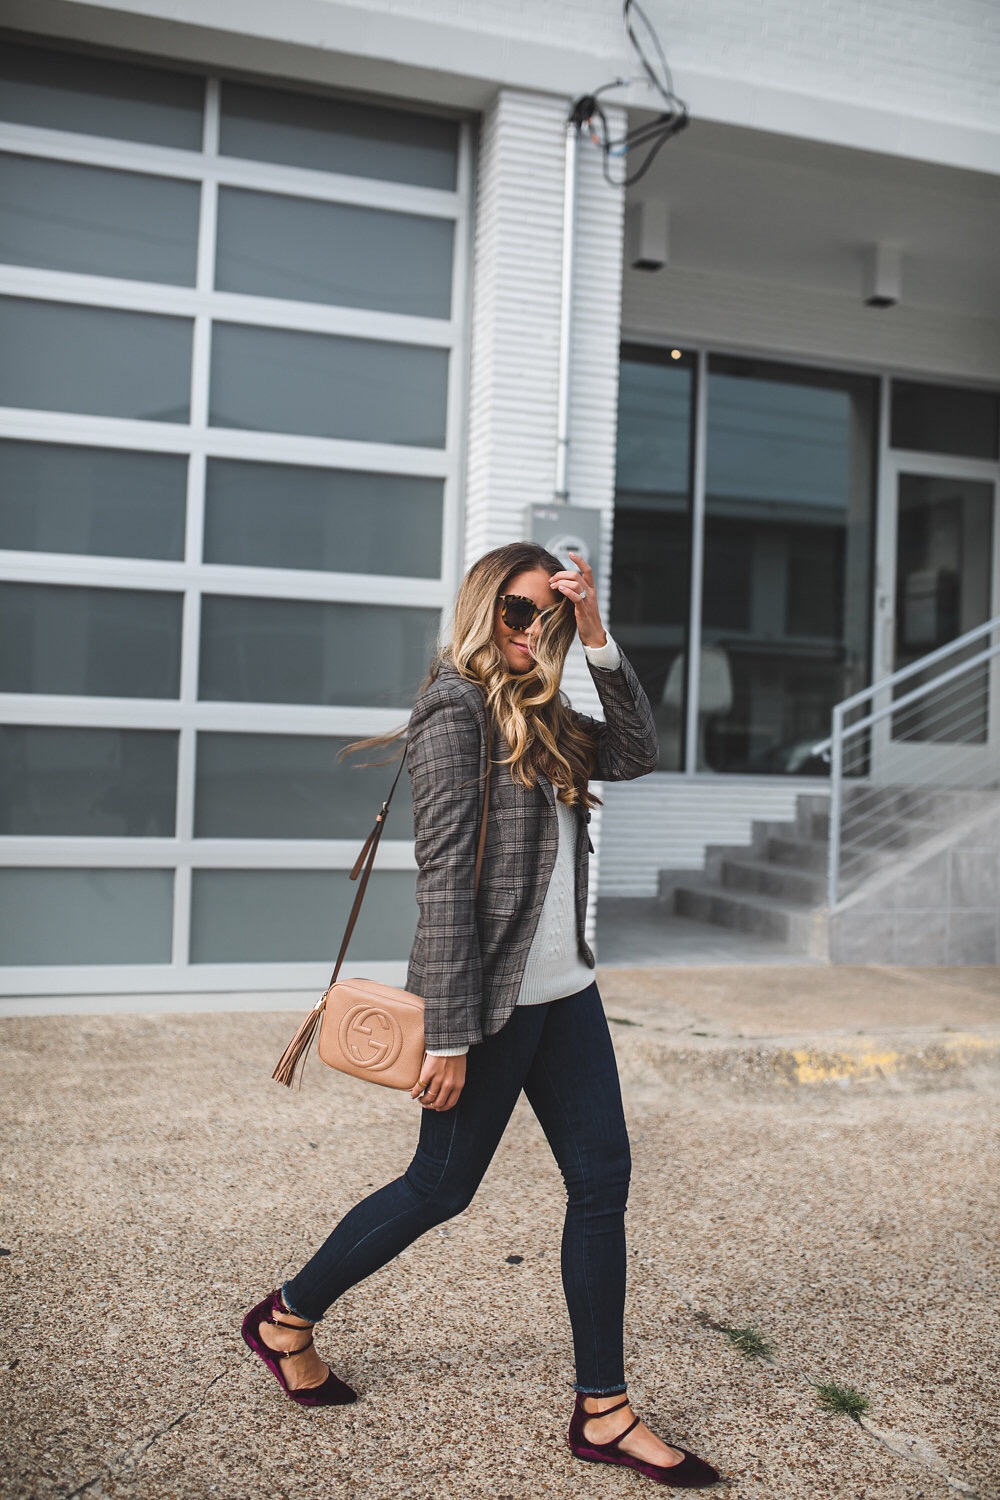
(938, 580)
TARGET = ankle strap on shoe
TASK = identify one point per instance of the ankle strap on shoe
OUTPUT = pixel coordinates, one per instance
(287, 1353)
(582, 1396)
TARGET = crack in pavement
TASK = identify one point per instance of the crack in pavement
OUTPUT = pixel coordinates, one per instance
(914, 1449)
(918, 1451)
(137, 1449)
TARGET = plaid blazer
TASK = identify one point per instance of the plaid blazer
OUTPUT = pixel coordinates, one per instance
(469, 954)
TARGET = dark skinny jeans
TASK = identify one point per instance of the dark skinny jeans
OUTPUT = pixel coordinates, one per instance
(561, 1055)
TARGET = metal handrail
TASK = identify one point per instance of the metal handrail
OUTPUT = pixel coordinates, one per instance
(921, 665)
(832, 748)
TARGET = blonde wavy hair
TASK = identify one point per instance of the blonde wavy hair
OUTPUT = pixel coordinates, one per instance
(528, 708)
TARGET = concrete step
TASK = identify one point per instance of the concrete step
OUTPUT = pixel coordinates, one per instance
(801, 930)
(716, 856)
(812, 815)
(785, 848)
(790, 883)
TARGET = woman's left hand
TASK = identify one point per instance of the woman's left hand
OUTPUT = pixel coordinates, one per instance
(579, 588)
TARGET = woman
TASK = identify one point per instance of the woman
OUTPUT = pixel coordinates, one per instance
(506, 976)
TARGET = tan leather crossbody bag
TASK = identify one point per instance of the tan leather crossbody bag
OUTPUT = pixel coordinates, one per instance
(370, 1030)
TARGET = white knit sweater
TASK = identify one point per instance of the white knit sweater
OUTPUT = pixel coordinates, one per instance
(554, 968)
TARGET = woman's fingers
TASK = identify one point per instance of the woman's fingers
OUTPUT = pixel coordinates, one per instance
(440, 1083)
(584, 566)
(578, 587)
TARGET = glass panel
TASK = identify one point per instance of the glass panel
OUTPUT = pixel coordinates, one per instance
(99, 96)
(652, 540)
(55, 356)
(945, 419)
(338, 135)
(282, 786)
(103, 643)
(274, 380)
(288, 651)
(87, 783)
(333, 252)
(69, 218)
(296, 916)
(276, 516)
(785, 620)
(944, 544)
(86, 916)
(104, 502)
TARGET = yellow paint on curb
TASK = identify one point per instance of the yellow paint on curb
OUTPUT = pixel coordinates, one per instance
(940, 1054)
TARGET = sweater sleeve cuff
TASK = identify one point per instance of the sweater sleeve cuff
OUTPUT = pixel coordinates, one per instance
(446, 1051)
(606, 657)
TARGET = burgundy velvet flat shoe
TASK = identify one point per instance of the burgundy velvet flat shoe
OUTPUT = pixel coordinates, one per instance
(332, 1392)
(692, 1473)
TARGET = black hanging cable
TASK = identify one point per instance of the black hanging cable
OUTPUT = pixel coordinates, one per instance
(652, 136)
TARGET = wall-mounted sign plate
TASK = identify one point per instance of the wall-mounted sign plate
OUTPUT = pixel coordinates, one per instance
(563, 529)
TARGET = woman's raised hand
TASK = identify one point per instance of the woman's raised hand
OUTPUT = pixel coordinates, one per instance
(579, 588)
(441, 1081)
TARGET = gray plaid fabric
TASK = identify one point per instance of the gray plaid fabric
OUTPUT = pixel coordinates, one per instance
(469, 955)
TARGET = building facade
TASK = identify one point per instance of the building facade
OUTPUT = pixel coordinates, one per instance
(281, 300)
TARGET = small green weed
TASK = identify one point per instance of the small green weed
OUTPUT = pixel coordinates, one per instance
(750, 1342)
(843, 1399)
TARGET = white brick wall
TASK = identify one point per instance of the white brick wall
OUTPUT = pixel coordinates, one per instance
(936, 57)
(931, 57)
(914, 77)
(515, 317)
(515, 321)
(515, 343)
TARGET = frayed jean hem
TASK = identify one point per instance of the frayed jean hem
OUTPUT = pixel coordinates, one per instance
(290, 1308)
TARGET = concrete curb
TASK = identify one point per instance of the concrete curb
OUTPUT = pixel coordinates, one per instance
(868, 1061)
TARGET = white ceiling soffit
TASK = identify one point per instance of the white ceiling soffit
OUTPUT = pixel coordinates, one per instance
(769, 208)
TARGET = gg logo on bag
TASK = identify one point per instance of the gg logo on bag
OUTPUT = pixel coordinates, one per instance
(370, 1037)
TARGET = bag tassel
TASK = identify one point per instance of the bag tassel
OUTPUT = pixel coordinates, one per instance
(295, 1054)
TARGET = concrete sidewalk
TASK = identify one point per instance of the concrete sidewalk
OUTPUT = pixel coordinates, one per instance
(816, 1154)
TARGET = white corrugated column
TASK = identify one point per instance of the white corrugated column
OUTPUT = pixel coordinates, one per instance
(515, 341)
(515, 317)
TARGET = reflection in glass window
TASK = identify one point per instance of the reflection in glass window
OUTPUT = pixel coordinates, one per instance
(295, 651)
(103, 643)
(786, 589)
(105, 502)
(100, 96)
(57, 356)
(338, 135)
(287, 916)
(66, 217)
(99, 916)
(944, 588)
(332, 520)
(87, 783)
(284, 786)
(652, 542)
(944, 419)
(278, 380)
(308, 251)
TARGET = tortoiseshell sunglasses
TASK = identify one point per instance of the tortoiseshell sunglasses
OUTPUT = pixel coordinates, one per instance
(519, 613)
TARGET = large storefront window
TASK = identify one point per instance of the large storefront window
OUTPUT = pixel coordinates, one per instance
(784, 534)
(231, 364)
(651, 570)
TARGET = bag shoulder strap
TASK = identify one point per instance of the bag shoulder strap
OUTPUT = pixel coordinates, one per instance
(366, 859)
